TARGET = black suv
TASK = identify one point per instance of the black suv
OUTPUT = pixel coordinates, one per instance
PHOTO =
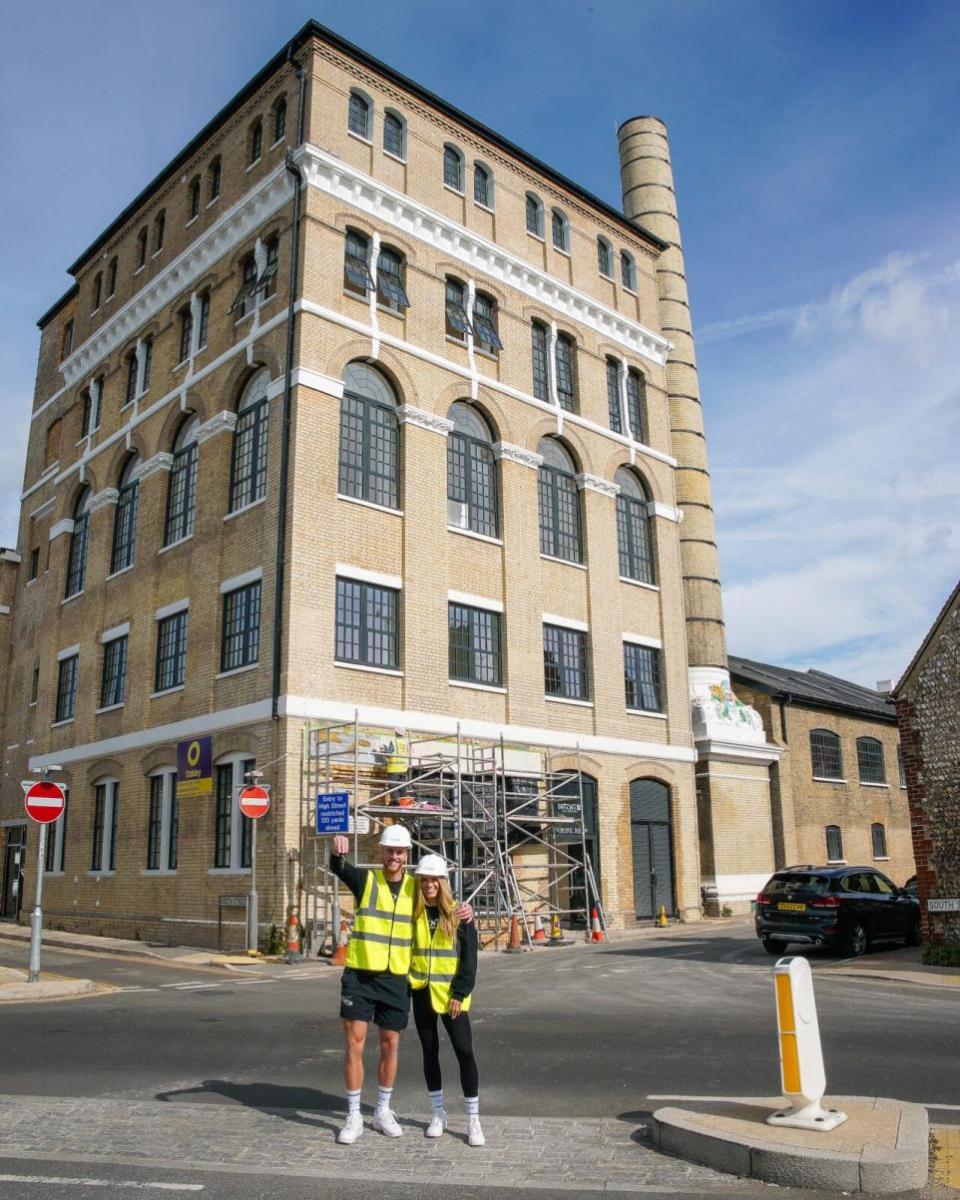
(845, 908)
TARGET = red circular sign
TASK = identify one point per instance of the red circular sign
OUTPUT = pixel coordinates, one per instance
(44, 801)
(255, 801)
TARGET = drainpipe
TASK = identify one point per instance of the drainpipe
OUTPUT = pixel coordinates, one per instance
(287, 391)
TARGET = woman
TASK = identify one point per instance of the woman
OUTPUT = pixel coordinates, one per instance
(443, 970)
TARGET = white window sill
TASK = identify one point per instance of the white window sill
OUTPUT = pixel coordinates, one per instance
(477, 537)
(836, 862)
(278, 142)
(31, 582)
(399, 313)
(477, 687)
(167, 691)
(60, 724)
(363, 297)
(881, 858)
(210, 203)
(237, 671)
(651, 587)
(393, 512)
(560, 250)
(72, 596)
(140, 268)
(826, 779)
(191, 221)
(149, 872)
(569, 700)
(537, 237)
(629, 290)
(646, 712)
(255, 162)
(608, 278)
(484, 207)
(564, 562)
(93, 312)
(178, 542)
(492, 355)
(32, 704)
(102, 874)
(455, 191)
(358, 137)
(180, 365)
(228, 870)
(455, 341)
(156, 253)
(348, 666)
(238, 512)
(863, 783)
(108, 708)
(395, 157)
(122, 571)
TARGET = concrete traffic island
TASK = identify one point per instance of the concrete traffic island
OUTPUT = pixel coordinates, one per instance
(882, 1147)
(14, 988)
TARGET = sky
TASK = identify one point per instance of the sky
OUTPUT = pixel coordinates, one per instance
(816, 152)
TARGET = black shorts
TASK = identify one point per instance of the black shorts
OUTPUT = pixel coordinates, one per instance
(375, 996)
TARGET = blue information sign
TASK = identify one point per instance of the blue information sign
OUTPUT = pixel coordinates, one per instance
(333, 812)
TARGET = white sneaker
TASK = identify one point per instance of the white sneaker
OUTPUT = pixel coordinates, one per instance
(475, 1133)
(352, 1128)
(385, 1122)
(438, 1123)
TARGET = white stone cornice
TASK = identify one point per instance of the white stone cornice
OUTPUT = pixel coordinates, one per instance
(317, 382)
(10, 556)
(161, 461)
(43, 508)
(593, 483)
(221, 422)
(666, 511)
(337, 178)
(517, 454)
(64, 526)
(105, 499)
(408, 415)
(230, 230)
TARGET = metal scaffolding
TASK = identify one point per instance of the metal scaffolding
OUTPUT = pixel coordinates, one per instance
(507, 819)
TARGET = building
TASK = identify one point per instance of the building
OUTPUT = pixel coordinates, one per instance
(838, 792)
(929, 717)
(360, 410)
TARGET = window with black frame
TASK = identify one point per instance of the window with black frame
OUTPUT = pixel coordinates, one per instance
(565, 671)
(203, 323)
(825, 755)
(66, 704)
(471, 472)
(559, 504)
(637, 405)
(279, 119)
(482, 185)
(878, 839)
(561, 231)
(359, 116)
(256, 141)
(642, 677)
(367, 624)
(539, 341)
(485, 331)
(232, 830)
(870, 760)
(106, 804)
(171, 664)
(604, 258)
(634, 533)
(628, 271)
(393, 134)
(475, 646)
(240, 646)
(369, 454)
(534, 215)
(163, 822)
(182, 484)
(125, 517)
(613, 395)
(834, 843)
(79, 539)
(390, 285)
(130, 388)
(565, 355)
(458, 324)
(356, 264)
(113, 681)
(453, 168)
(186, 333)
(248, 464)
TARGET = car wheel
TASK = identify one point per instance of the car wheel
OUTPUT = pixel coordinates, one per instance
(913, 937)
(773, 947)
(855, 940)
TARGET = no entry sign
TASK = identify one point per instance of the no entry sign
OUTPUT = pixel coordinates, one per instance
(43, 800)
(255, 801)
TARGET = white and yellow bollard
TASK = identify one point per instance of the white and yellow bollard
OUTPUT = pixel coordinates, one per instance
(801, 1056)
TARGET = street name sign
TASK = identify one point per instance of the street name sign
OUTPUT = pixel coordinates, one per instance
(333, 812)
(254, 801)
(944, 904)
(43, 800)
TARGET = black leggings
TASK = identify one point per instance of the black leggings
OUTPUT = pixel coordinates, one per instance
(461, 1038)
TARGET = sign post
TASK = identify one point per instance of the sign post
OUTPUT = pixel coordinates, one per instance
(44, 802)
(254, 800)
(333, 816)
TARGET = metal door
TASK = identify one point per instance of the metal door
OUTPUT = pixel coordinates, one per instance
(652, 848)
(13, 872)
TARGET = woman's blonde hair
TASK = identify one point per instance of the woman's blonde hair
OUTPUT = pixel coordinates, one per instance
(446, 904)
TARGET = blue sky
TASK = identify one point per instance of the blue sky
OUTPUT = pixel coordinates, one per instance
(817, 158)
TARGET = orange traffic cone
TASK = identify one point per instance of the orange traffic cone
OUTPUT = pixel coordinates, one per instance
(339, 956)
(513, 946)
(293, 934)
(596, 933)
(539, 933)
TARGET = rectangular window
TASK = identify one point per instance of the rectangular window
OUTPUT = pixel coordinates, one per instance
(204, 322)
(613, 396)
(155, 823)
(641, 671)
(171, 652)
(369, 455)
(224, 816)
(248, 465)
(390, 289)
(356, 264)
(900, 771)
(566, 373)
(34, 562)
(163, 824)
(186, 334)
(878, 836)
(541, 368)
(826, 758)
(146, 353)
(367, 624)
(870, 761)
(99, 812)
(458, 323)
(834, 844)
(485, 324)
(559, 505)
(565, 663)
(181, 496)
(130, 391)
(229, 849)
(67, 688)
(475, 645)
(35, 685)
(241, 628)
(105, 819)
(114, 679)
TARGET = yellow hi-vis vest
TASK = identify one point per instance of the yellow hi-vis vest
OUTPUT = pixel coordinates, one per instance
(382, 930)
(435, 962)
(399, 757)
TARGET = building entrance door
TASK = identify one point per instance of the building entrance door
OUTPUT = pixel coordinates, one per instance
(652, 848)
(13, 872)
(577, 884)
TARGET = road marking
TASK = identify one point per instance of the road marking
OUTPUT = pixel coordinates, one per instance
(111, 1183)
(756, 1099)
(188, 983)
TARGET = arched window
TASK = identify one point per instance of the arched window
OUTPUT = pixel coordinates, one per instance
(870, 760)
(130, 387)
(457, 322)
(356, 264)
(561, 230)
(637, 405)
(97, 289)
(142, 247)
(628, 271)
(825, 756)
(255, 142)
(194, 207)
(86, 420)
(358, 118)
(213, 179)
(394, 134)
(79, 538)
(182, 487)
(280, 119)
(483, 185)
(248, 466)
(485, 328)
(566, 361)
(390, 281)
(613, 395)
(146, 363)
(534, 215)
(233, 832)
(604, 258)
(369, 438)
(471, 472)
(453, 168)
(834, 843)
(112, 277)
(878, 839)
(634, 540)
(159, 231)
(539, 341)
(203, 325)
(106, 806)
(186, 333)
(560, 524)
(125, 517)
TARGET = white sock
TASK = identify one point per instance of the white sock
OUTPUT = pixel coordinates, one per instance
(436, 1099)
(383, 1096)
(473, 1105)
(353, 1101)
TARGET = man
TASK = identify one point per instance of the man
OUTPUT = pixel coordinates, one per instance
(374, 984)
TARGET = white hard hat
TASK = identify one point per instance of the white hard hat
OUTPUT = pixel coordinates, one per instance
(432, 865)
(397, 836)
